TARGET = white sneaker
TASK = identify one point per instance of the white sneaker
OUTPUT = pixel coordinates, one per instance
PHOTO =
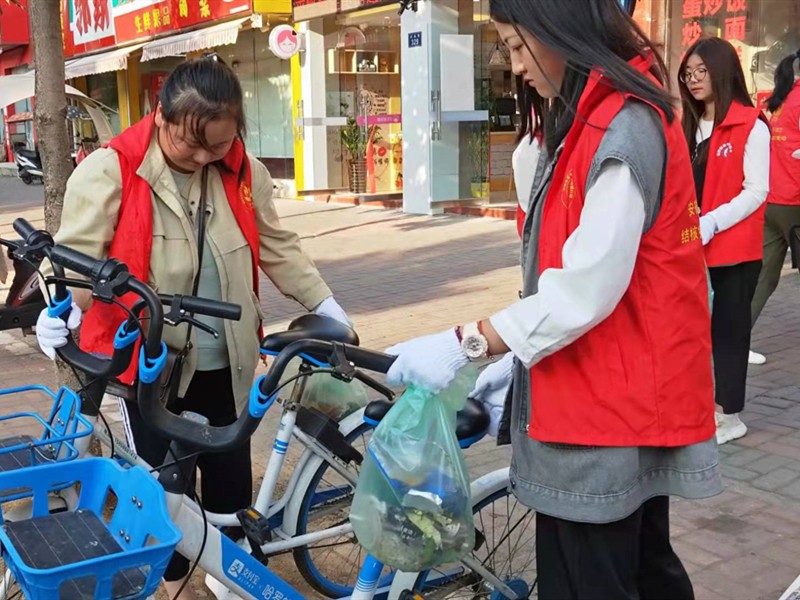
(756, 359)
(729, 428)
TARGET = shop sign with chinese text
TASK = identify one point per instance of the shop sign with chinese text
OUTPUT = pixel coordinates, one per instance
(727, 19)
(143, 19)
(312, 9)
(87, 26)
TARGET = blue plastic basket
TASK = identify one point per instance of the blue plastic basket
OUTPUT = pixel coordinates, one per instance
(63, 426)
(115, 544)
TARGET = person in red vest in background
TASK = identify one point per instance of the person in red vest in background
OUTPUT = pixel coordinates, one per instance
(729, 143)
(139, 201)
(608, 347)
(783, 202)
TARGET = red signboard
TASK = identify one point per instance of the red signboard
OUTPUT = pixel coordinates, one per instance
(14, 30)
(86, 25)
(144, 19)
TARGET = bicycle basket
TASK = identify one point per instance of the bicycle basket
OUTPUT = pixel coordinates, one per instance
(115, 544)
(63, 426)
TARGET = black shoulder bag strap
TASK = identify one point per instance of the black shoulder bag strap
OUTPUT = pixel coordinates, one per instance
(171, 376)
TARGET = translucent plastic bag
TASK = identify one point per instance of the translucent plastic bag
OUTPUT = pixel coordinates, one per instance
(412, 508)
(333, 397)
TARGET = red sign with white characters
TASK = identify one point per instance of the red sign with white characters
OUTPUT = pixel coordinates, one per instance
(143, 19)
(86, 25)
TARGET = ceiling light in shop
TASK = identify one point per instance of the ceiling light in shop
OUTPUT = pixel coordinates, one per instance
(498, 57)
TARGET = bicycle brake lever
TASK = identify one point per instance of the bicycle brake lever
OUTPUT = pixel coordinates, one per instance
(375, 385)
(185, 318)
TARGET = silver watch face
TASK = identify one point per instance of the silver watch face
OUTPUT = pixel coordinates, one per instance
(475, 346)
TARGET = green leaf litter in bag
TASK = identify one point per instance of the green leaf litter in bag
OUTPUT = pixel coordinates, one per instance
(412, 509)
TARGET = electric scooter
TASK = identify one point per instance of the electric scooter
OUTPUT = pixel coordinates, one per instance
(29, 165)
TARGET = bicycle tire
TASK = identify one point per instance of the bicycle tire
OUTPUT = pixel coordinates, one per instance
(450, 583)
(338, 580)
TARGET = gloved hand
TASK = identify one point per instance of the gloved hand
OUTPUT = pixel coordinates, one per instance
(491, 389)
(708, 228)
(330, 308)
(52, 332)
(431, 361)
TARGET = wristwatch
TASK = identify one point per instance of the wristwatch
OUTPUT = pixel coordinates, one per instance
(473, 343)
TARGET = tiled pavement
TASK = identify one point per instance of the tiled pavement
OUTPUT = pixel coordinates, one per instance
(400, 276)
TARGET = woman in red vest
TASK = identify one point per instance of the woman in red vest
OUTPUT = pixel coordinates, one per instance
(611, 407)
(729, 143)
(783, 203)
(177, 199)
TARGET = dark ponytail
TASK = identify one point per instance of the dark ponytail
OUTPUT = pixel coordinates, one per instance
(784, 82)
(200, 91)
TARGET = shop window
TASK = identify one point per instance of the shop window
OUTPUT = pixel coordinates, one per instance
(763, 32)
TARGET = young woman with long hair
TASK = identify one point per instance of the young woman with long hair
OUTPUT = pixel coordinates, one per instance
(608, 348)
(729, 141)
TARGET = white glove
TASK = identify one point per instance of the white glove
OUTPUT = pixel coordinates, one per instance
(491, 389)
(430, 362)
(52, 332)
(330, 308)
(708, 228)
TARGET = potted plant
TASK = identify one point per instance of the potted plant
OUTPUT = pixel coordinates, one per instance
(355, 140)
(479, 157)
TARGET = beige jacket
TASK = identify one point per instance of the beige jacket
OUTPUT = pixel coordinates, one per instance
(91, 210)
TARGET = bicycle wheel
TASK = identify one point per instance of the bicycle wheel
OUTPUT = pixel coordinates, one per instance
(331, 565)
(9, 588)
(506, 532)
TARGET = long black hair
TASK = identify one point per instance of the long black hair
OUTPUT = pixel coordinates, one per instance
(784, 81)
(200, 91)
(727, 84)
(588, 34)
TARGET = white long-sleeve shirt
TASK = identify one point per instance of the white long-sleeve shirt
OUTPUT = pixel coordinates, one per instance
(756, 176)
(598, 261)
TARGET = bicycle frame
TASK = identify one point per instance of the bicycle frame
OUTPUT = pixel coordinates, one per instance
(237, 569)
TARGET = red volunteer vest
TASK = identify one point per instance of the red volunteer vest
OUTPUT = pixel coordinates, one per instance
(133, 238)
(643, 376)
(784, 170)
(724, 180)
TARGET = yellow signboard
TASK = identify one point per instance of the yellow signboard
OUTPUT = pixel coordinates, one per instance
(272, 6)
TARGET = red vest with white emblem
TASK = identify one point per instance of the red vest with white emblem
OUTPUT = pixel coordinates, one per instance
(724, 180)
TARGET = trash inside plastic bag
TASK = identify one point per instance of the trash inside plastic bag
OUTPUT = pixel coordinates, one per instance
(412, 508)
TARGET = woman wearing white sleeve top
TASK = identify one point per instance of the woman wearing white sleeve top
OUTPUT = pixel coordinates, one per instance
(729, 142)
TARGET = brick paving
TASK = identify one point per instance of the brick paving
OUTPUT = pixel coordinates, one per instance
(400, 276)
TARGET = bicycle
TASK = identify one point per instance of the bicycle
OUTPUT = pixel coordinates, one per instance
(186, 513)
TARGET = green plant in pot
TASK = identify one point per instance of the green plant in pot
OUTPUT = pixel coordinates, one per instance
(479, 158)
(356, 141)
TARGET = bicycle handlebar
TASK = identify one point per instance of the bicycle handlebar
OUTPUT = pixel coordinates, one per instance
(112, 278)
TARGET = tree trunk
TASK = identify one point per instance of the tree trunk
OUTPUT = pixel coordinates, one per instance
(50, 109)
(50, 120)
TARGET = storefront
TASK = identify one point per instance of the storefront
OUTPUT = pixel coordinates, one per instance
(16, 54)
(350, 126)
(763, 32)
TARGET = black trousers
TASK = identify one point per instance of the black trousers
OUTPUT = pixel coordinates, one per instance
(227, 480)
(628, 559)
(734, 288)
